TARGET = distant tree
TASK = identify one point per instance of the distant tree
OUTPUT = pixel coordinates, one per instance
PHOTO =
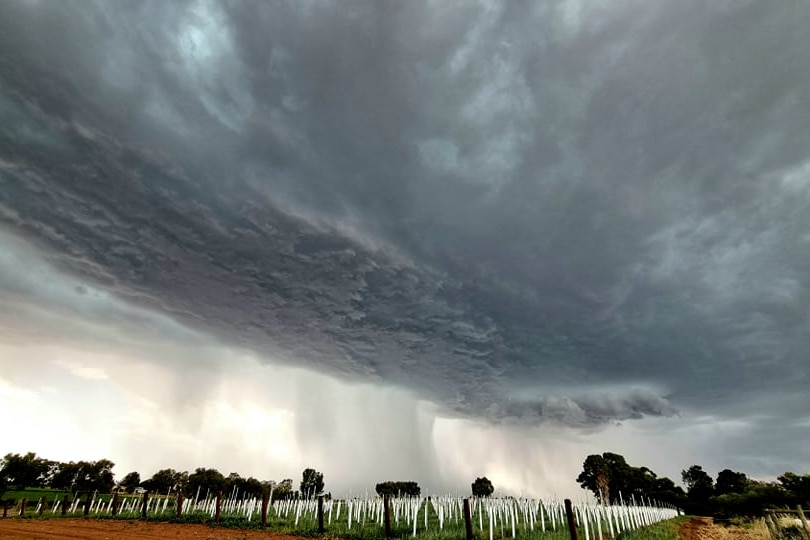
(95, 476)
(699, 484)
(24, 470)
(232, 483)
(243, 486)
(283, 490)
(665, 491)
(164, 481)
(53, 469)
(250, 487)
(751, 502)
(729, 481)
(626, 481)
(797, 487)
(181, 482)
(482, 487)
(130, 482)
(311, 483)
(595, 477)
(82, 476)
(611, 479)
(398, 488)
(64, 478)
(205, 482)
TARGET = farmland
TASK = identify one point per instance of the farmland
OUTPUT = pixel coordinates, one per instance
(435, 517)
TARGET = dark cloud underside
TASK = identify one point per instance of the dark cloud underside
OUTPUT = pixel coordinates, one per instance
(523, 211)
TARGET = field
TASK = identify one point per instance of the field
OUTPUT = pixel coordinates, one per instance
(91, 529)
(434, 518)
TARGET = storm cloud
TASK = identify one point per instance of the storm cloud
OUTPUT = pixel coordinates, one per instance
(562, 212)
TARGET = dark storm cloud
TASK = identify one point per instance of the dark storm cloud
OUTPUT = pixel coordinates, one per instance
(527, 211)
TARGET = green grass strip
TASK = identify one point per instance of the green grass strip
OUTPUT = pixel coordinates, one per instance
(665, 530)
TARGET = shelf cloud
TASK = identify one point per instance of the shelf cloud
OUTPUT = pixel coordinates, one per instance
(529, 217)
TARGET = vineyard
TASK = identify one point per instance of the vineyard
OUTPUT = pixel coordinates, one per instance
(436, 517)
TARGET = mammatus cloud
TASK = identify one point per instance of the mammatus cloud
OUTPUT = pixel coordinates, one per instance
(560, 213)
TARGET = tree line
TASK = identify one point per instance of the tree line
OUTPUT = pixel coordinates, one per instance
(21, 471)
(611, 479)
(481, 487)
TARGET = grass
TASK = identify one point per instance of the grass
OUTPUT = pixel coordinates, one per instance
(307, 525)
(740, 521)
(664, 530)
(33, 495)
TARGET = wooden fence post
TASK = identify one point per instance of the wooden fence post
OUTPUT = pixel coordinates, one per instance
(805, 527)
(145, 504)
(179, 503)
(218, 515)
(114, 506)
(87, 502)
(265, 502)
(320, 514)
(22, 506)
(572, 524)
(773, 527)
(64, 504)
(468, 519)
(42, 502)
(5, 509)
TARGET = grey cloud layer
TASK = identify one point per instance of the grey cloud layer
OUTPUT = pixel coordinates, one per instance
(495, 205)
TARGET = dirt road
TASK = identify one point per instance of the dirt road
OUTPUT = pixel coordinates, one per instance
(92, 529)
(706, 529)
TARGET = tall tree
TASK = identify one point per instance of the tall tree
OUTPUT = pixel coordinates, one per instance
(283, 490)
(398, 488)
(95, 476)
(610, 478)
(729, 481)
(205, 482)
(626, 481)
(24, 470)
(82, 476)
(250, 487)
(595, 477)
(130, 482)
(665, 491)
(798, 487)
(311, 483)
(243, 486)
(699, 484)
(482, 487)
(65, 476)
(165, 480)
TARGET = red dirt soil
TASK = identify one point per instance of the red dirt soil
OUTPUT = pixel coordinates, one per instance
(705, 529)
(91, 529)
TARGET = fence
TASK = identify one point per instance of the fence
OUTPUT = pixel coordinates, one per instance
(785, 523)
(442, 516)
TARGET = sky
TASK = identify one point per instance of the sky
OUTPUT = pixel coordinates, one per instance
(426, 240)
